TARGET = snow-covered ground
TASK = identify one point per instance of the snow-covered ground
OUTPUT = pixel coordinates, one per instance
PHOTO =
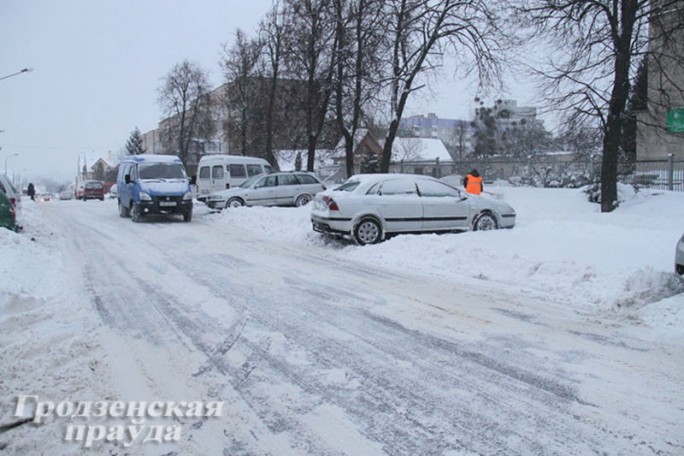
(564, 335)
(562, 246)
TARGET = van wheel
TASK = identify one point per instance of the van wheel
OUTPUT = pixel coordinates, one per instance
(303, 200)
(123, 211)
(136, 216)
(235, 202)
(187, 216)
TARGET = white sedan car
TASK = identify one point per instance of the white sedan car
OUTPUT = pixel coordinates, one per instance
(369, 207)
(679, 256)
(276, 189)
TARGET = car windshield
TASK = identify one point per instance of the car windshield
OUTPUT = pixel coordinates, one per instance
(248, 183)
(161, 171)
(348, 186)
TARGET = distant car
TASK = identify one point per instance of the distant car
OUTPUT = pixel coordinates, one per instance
(679, 256)
(277, 189)
(93, 190)
(44, 197)
(66, 195)
(369, 207)
(8, 214)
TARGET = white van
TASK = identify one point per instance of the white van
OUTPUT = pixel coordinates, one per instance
(219, 172)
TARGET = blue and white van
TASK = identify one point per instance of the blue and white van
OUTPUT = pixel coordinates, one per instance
(153, 184)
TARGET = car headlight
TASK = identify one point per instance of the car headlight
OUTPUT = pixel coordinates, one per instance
(187, 196)
(145, 197)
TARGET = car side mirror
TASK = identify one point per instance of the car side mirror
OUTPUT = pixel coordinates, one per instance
(127, 178)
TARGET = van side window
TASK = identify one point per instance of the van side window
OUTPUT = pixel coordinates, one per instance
(253, 170)
(217, 172)
(237, 171)
(204, 172)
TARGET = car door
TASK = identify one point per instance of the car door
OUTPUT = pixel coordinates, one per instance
(444, 207)
(263, 192)
(218, 178)
(288, 188)
(399, 204)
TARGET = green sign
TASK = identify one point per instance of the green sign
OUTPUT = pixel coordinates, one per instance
(675, 120)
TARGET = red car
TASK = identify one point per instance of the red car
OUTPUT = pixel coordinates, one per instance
(93, 190)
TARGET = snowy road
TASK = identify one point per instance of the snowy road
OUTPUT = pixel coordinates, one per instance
(315, 354)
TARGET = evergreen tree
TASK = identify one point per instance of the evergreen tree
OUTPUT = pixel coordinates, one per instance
(134, 145)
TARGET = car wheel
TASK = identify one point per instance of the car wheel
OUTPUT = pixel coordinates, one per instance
(302, 200)
(485, 222)
(136, 216)
(234, 202)
(123, 211)
(187, 216)
(367, 231)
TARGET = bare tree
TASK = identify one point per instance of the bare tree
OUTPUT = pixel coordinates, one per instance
(421, 32)
(461, 135)
(240, 67)
(272, 36)
(590, 72)
(184, 99)
(134, 145)
(310, 45)
(359, 35)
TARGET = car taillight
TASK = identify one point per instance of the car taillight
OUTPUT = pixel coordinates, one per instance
(332, 205)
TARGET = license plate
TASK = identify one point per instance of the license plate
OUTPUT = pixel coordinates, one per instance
(167, 203)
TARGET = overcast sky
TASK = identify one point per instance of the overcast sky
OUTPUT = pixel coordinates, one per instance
(97, 66)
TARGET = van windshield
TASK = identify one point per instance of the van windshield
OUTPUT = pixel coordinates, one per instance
(161, 171)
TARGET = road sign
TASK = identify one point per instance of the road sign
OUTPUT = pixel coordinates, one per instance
(675, 120)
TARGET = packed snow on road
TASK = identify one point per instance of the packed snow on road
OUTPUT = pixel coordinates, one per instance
(244, 332)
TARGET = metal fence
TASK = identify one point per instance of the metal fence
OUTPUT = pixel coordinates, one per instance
(665, 174)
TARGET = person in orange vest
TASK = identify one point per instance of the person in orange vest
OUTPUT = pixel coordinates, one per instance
(473, 182)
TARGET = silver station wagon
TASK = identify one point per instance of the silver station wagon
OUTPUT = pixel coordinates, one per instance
(276, 189)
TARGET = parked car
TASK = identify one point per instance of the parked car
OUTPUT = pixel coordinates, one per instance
(8, 214)
(153, 184)
(372, 206)
(220, 172)
(277, 189)
(11, 192)
(93, 190)
(679, 256)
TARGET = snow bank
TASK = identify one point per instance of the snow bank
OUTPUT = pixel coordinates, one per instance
(48, 342)
(562, 246)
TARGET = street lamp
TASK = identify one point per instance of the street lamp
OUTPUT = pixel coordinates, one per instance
(25, 70)
(7, 158)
